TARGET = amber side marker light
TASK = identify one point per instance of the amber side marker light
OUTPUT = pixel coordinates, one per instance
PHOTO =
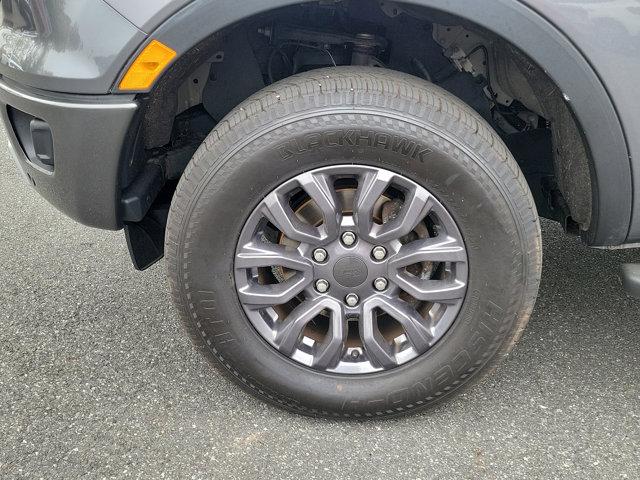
(146, 68)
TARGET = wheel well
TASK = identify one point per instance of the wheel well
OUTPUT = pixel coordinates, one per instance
(488, 72)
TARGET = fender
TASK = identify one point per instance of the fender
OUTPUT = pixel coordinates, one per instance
(529, 31)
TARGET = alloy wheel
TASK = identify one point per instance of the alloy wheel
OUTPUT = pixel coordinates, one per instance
(351, 269)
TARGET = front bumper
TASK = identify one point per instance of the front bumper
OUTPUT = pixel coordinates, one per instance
(89, 136)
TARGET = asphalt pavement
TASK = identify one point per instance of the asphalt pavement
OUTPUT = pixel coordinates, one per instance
(98, 380)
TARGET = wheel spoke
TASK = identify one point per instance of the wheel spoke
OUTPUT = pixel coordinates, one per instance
(437, 291)
(318, 186)
(257, 296)
(278, 211)
(378, 350)
(262, 254)
(371, 186)
(412, 212)
(328, 353)
(288, 334)
(436, 249)
(417, 328)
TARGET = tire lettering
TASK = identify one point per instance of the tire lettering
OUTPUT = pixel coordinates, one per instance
(354, 138)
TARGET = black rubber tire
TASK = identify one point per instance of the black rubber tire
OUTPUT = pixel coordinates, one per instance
(467, 167)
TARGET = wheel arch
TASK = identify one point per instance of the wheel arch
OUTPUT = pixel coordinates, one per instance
(520, 25)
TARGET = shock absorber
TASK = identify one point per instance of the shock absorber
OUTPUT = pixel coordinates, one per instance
(365, 51)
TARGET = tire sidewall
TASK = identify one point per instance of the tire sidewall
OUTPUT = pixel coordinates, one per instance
(236, 183)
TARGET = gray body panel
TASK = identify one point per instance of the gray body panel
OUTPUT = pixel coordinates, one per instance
(75, 46)
(147, 14)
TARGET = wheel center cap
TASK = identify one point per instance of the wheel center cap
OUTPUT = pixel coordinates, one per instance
(350, 271)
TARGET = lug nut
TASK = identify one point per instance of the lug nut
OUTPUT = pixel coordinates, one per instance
(380, 283)
(352, 299)
(320, 255)
(322, 285)
(348, 238)
(379, 253)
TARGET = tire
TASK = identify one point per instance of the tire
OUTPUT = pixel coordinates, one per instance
(280, 133)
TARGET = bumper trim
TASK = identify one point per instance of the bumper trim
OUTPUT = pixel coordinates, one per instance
(65, 100)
